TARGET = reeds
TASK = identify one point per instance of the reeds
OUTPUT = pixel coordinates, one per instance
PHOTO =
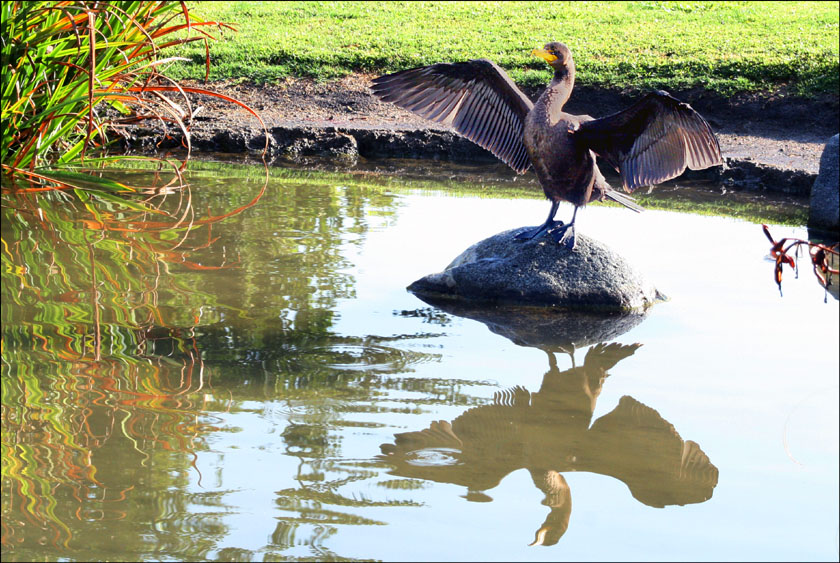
(73, 73)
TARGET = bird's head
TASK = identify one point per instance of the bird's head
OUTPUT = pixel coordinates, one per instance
(556, 54)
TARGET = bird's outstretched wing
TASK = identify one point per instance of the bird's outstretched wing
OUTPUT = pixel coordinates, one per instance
(477, 98)
(653, 140)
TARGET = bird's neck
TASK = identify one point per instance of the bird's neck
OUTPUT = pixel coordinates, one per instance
(557, 93)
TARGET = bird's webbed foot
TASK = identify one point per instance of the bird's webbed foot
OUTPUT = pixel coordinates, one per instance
(564, 234)
(528, 234)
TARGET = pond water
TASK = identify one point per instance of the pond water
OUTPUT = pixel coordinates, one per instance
(264, 388)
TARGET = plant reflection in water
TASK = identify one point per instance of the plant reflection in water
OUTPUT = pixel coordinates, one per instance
(102, 376)
(550, 431)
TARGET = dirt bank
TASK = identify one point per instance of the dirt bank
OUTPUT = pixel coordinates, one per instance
(768, 143)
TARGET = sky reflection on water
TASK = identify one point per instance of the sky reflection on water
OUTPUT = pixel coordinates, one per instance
(299, 404)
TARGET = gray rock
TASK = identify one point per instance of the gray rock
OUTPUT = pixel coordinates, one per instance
(746, 174)
(418, 143)
(311, 141)
(825, 194)
(540, 272)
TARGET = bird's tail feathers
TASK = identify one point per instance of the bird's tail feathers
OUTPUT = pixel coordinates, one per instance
(624, 200)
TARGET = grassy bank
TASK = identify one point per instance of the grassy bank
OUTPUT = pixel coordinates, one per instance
(728, 47)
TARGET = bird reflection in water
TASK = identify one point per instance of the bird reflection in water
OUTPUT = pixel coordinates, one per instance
(549, 432)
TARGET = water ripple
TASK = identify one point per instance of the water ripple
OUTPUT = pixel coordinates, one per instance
(355, 357)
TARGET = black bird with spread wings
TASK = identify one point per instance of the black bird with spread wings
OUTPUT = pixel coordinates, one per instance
(650, 142)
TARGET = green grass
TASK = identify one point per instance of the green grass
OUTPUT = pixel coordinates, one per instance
(727, 47)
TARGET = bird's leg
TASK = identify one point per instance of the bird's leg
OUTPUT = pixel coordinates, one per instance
(549, 224)
(565, 234)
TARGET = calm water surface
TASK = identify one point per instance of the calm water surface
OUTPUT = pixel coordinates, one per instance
(266, 389)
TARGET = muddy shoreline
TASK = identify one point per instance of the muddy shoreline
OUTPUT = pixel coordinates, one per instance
(770, 143)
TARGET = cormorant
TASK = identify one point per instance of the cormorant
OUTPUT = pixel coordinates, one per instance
(650, 142)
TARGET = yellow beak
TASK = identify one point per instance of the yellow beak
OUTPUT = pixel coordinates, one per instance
(543, 54)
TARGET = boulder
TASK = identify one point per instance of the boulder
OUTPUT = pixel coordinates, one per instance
(297, 142)
(824, 214)
(540, 272)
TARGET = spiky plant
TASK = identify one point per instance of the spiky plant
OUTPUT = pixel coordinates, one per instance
(73, 72)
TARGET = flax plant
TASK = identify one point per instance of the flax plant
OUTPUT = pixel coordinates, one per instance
(74, 73)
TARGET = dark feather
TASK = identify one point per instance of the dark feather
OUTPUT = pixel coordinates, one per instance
(652, 141)
(476, 98)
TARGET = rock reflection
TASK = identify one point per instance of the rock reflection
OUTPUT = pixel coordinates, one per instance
(548, 329)
(550, 431)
